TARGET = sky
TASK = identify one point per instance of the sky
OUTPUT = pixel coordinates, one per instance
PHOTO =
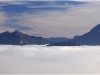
(40, 59)
(49, 18)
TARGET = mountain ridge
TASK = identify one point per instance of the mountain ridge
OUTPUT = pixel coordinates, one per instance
(19, 38)
(90, 38)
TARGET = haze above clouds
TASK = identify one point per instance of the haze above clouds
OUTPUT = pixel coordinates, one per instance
(35, 59)
(49, 18)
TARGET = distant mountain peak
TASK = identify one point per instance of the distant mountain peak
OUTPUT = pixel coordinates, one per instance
(96, 28)
(17, 32)
(90, 38)
(6, 32)
(76, 36)
(19, 38)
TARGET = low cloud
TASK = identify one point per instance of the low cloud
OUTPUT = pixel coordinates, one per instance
(35, 59)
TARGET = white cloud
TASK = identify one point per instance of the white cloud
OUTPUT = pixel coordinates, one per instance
(75, 20)
(3, 19)
(4, 3)
(37, 59)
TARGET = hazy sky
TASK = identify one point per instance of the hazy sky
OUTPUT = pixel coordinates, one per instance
(49, 18)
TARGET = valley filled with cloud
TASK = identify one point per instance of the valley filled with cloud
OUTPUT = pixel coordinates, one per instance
(49, 19)
(40, 59)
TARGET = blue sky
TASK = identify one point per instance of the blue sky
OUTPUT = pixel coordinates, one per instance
(49, 18)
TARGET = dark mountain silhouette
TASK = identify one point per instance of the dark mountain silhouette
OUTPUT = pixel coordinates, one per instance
(69, 43)
(19, 38)
(76, 36)
(57, 39)
(90, 38)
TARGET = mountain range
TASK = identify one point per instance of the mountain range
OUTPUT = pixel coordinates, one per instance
(90, 38)
(57, 39)
(68, 43)
(18, 38)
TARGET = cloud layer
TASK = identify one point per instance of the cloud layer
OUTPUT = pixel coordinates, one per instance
(35, 59)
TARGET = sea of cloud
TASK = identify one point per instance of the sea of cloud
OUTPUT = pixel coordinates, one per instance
(40, 59)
